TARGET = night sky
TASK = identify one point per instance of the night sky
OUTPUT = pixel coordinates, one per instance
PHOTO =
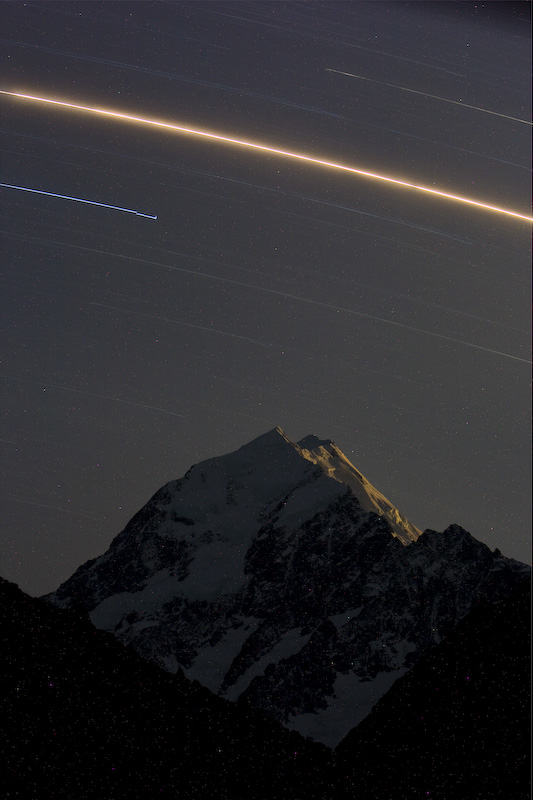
(268, 291)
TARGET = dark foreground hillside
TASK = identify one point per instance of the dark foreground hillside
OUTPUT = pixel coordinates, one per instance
(84, 717)
(458, 725)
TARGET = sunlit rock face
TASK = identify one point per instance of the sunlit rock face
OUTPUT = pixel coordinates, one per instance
(278, 575)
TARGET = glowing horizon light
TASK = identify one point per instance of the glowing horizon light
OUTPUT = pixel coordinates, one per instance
(274, 150)
(77, 200)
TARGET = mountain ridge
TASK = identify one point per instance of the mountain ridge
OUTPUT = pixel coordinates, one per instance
(84, 716)
(278, 575)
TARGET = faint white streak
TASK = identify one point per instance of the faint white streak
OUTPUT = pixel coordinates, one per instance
(434, 96)
(55, 508)
(186, 324)
(93, 394)
(298, 299)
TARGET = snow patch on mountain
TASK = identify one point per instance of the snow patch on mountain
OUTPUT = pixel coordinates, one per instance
(214, 661)
(351, 702)
(217, 569)
(339, 620)
(334, 463)
(158, 589)
(291, 642)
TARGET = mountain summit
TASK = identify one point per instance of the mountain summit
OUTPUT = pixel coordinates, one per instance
(334, 463)
(278, 575)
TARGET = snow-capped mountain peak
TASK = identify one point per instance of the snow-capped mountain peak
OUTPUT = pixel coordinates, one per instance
(277, 574)
(327, 455)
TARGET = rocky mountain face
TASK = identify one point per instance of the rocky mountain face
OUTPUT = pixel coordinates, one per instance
(279, 576)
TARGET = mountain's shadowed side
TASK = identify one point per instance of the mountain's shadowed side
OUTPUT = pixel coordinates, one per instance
(458, 724)
(84, 717)
(278, 575)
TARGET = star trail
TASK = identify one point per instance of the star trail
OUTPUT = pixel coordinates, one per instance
(432, 96)
(77, 200)
(221, 218)
(265, 149)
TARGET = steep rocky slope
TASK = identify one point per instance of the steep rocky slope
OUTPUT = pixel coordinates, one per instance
(279, 575)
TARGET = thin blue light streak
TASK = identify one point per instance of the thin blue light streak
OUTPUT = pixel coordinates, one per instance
(78, 200)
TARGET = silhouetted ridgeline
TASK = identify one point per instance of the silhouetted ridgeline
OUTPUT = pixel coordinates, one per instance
(85, 717)
(458, 724)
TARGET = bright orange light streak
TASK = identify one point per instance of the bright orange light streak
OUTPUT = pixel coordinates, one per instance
(265, 149)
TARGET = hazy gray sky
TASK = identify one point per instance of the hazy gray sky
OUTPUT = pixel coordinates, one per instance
(268, 291)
